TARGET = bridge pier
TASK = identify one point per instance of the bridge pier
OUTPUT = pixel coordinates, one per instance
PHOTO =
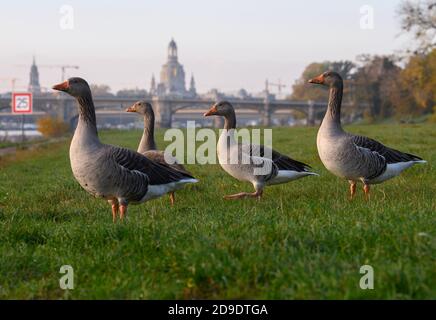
(311, 113)
(266, 114)
(162, 112)
(66, 109)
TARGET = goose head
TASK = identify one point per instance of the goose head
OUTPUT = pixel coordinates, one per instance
(328, 78)
(141, 107)
(75, 87)
(222, 108)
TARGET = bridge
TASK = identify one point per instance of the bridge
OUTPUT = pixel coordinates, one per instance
(64, 107)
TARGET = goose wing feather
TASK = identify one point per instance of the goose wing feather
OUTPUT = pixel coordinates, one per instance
(391, 155)
(282, 162)
(159, 156)
(157, 173)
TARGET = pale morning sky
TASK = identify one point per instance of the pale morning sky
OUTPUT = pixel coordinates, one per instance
(227, 44)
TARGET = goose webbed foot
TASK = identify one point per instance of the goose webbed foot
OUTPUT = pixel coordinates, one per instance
(241, 195)
(172, 199)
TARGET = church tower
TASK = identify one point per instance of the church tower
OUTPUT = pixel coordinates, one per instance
(192, 89)
(153, 86)
(34, 86)
(172, 75)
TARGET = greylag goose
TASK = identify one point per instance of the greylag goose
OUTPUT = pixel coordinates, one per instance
(257, 164)
(119, 175)
(147, 145)
(355, 158)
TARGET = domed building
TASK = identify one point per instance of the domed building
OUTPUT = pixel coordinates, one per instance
(172, 77)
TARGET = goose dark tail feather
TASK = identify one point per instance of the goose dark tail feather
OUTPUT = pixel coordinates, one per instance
(286, 163)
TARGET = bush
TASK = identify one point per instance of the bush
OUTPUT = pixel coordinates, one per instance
(432, 118)
(52, 127)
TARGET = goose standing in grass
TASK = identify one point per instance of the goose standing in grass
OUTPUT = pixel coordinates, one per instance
(257, 164)
(119, 175)
(147, 145)
(355, 158)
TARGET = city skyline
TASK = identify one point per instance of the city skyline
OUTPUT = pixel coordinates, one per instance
(225, 46)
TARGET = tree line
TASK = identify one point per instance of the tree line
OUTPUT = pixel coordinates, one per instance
(397, 85)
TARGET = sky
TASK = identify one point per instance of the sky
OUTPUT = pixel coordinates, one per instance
(226, 44)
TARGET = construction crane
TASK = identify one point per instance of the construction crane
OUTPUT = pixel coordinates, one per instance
(63, 68)
(279, 86)
(12, 81)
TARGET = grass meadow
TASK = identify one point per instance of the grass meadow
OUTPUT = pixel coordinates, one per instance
(303, 240)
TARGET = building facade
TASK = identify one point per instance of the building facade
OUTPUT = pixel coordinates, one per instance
(172, 77)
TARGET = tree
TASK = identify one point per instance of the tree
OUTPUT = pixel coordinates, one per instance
(101, 90)
(301, 90)
(417, 83)
(134, 93)
(419, 18)
(376, 83)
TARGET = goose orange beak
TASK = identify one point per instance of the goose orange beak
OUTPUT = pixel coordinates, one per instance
(64, 86)
(317, 80)
(131, 109)
(212, 111)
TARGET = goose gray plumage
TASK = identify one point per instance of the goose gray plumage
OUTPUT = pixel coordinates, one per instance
(355, 158)
(257, 164)
(147, 145)
(119, 175)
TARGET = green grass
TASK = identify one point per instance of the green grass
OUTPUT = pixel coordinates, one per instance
(304, 240)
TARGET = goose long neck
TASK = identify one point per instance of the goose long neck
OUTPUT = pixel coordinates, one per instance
(230, 120)
(147, 140)
(333, 114)
(87, 117)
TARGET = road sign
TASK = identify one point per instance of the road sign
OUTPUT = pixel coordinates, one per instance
(22, 102)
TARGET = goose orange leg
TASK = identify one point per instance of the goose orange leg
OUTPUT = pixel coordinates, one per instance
(172, 199)
(352, 189)
(257, 194)
(123, 211)
(114, 211)
(366, 190)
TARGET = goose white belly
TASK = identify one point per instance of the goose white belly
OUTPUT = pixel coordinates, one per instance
(228, 158)
(393, 170)
(284, 176)
(333, 157)
(88, 171)
(156, 191)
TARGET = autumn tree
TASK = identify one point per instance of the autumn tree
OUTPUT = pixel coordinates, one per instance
(51, 127)
(134, 93)
(301, 90)
(375, 84)
(100, 90)
(416, 86)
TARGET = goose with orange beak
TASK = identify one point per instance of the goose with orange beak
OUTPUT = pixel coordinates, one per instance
(119, 175)
(252, 163)
(147, 145)
(352, 157)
